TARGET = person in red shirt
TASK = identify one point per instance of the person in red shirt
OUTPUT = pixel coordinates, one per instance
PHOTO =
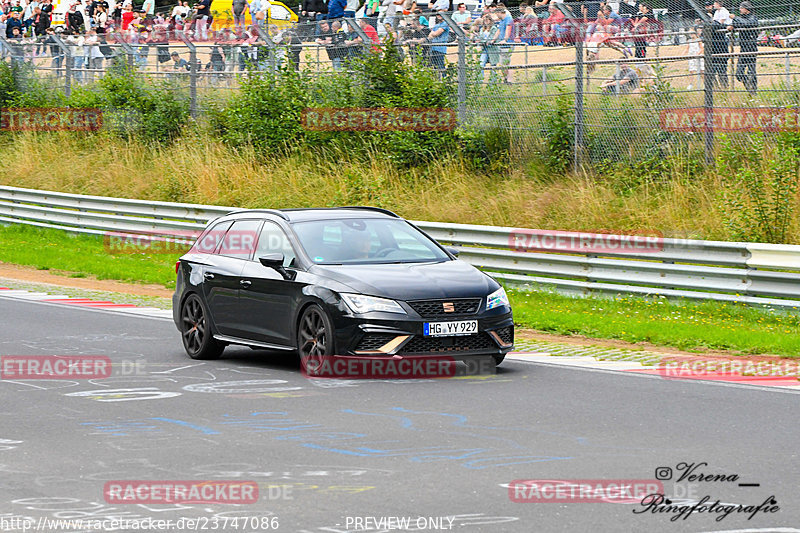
(127, 16)
(371, 32)
(553, 29)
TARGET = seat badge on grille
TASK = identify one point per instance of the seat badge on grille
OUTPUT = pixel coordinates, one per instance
(448, 307)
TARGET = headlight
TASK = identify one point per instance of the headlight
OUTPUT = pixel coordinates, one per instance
(365, 304)
(497, 299)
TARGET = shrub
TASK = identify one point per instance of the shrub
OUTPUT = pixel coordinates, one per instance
(267, 112)
(759, 185)
(151, 111)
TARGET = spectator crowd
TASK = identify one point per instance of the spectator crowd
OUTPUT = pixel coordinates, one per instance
(345, 29)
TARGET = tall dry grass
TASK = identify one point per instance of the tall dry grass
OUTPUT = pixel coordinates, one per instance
(199, 169)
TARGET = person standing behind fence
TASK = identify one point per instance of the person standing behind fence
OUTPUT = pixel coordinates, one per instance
(47, 11)
(488, 36)
(203, 8)
(350, 8)
(239, 7)
(642, 25)
(694, 51)
(718, 70)
(55, 51)
(440, 35)
(149, 8)
(336, 9)
(628, 8)
(505, 26)
(747, 24)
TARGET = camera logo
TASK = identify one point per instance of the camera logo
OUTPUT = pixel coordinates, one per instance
(663, 473)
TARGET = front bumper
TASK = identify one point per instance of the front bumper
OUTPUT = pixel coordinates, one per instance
(361, 335)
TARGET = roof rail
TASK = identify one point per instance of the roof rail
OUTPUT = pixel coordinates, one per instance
(270, 211)
(378, 209)
(368, 208)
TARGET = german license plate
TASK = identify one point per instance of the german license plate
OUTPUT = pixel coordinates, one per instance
(447, 329)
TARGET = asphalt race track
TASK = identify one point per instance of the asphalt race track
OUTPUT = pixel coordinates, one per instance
(336, 456)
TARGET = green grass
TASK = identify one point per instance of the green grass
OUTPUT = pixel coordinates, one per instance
(82, 256)
(685, 325)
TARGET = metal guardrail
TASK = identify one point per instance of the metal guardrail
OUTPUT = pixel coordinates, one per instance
(752, 273)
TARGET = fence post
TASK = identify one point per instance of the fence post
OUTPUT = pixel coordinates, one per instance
(708, 100)
(17, 56)
(544, 80)
(129, 51)
(461, 37)
(270, 44)
(788, 65)
(192, 73)
(67, 59)
(579, 111)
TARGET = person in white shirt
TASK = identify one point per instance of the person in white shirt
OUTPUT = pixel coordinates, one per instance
(351, 8)
(149, 7)
(390, 15)
(722, 15)
(462, 16)
(29, 9)
(441, 5)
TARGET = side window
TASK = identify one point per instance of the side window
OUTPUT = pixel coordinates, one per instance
(240, 239)
(273, 240)
(209, 240)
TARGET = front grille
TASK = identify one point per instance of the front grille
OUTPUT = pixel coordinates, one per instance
(506, 334)
(436, 308)
(373, 341)
(424, 345)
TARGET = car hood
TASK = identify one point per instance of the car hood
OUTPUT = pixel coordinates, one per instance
(412, 281)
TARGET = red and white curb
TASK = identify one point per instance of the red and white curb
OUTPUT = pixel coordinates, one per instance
(590, 363)
(87, 303)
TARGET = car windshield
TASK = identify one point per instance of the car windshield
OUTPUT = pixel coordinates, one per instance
(367, 240)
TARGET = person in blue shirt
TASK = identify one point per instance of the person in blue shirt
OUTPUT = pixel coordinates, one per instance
(336, 9)
(440, 33)
(615, 19)
(505, 27)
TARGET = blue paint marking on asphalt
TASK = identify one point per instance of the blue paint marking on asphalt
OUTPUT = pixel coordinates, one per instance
(461, 420)
(202, 429)
(511, 460)
(406, 422)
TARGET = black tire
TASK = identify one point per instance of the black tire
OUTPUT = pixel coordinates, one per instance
(315, 334)
(498, 359)
(196, 335)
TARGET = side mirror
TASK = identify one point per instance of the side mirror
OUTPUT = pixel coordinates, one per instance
(453, 250)
(275, 262)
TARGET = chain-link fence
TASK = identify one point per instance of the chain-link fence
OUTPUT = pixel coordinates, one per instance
(609, 81)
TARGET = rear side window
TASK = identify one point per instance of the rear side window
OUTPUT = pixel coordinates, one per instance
(210, 240)
(240, 240)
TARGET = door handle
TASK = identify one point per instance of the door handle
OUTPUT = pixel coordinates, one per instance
(245, 283)
(208, 276)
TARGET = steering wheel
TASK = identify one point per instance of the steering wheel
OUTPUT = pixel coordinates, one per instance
(384, 252)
